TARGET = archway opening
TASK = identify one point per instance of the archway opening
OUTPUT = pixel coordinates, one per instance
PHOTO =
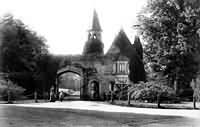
(70, 85)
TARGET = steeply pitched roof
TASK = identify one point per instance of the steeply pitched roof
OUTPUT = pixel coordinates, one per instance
(115, 51)
(120, 40)
(95, 23)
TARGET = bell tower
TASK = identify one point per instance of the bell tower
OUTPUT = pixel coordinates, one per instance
(94, 43)
(95, 31)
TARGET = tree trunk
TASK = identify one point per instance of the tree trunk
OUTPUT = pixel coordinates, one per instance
(9, 96)
(194, 102)
(35, 96)
(176, 86)
(194, 94)
(120, 95)
(158, 101)
(112, 97)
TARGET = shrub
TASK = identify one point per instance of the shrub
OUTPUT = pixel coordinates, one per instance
(149, 91)
(15, 90)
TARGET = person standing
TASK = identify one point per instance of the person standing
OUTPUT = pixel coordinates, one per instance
(52, 95)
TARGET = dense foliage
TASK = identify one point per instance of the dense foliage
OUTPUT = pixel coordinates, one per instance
(171, 30)
(149, 91)
(25, 57)
(20, 46)
(45, 77)
(138, 46)
(154, 90)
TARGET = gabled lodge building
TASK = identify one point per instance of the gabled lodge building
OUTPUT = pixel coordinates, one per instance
(104, 69)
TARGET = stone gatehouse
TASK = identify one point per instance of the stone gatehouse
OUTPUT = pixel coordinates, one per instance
(98, 70)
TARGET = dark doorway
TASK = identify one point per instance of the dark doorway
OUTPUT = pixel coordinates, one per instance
(94, 90)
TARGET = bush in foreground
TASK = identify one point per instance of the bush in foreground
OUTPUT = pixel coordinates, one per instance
(153, 91)
(8, 87)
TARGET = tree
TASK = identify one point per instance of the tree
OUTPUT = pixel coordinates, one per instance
(138, 46)
(20, 51)
(171, 30)
(46, 75)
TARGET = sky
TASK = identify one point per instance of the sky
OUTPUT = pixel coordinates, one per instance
(64, 23)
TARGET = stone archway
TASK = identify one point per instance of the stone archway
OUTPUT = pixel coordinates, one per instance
(75, 70)
(70, 68)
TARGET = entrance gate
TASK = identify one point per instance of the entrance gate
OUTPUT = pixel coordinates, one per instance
(89, 86)
(74, 70)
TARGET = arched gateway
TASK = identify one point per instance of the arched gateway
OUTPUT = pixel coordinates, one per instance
(79, 83)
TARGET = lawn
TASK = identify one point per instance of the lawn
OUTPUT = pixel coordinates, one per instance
(13, 116)
(182, 105)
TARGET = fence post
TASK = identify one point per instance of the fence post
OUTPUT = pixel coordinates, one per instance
(9, 98)
(8, 92)
(112, 97)
(129, 98)
(35, 96)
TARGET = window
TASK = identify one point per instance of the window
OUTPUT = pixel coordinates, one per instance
(120, 67)
(127, 68)
(114, 68)
(123, 67)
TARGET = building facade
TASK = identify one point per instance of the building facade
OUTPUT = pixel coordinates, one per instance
(111, 68)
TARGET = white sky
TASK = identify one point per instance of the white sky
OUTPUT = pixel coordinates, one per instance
(64, 23)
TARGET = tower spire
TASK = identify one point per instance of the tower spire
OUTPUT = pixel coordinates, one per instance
(94, 44)
(95, 30)
(95, 22)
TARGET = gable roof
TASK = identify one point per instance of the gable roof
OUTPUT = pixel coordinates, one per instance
(114, 50)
